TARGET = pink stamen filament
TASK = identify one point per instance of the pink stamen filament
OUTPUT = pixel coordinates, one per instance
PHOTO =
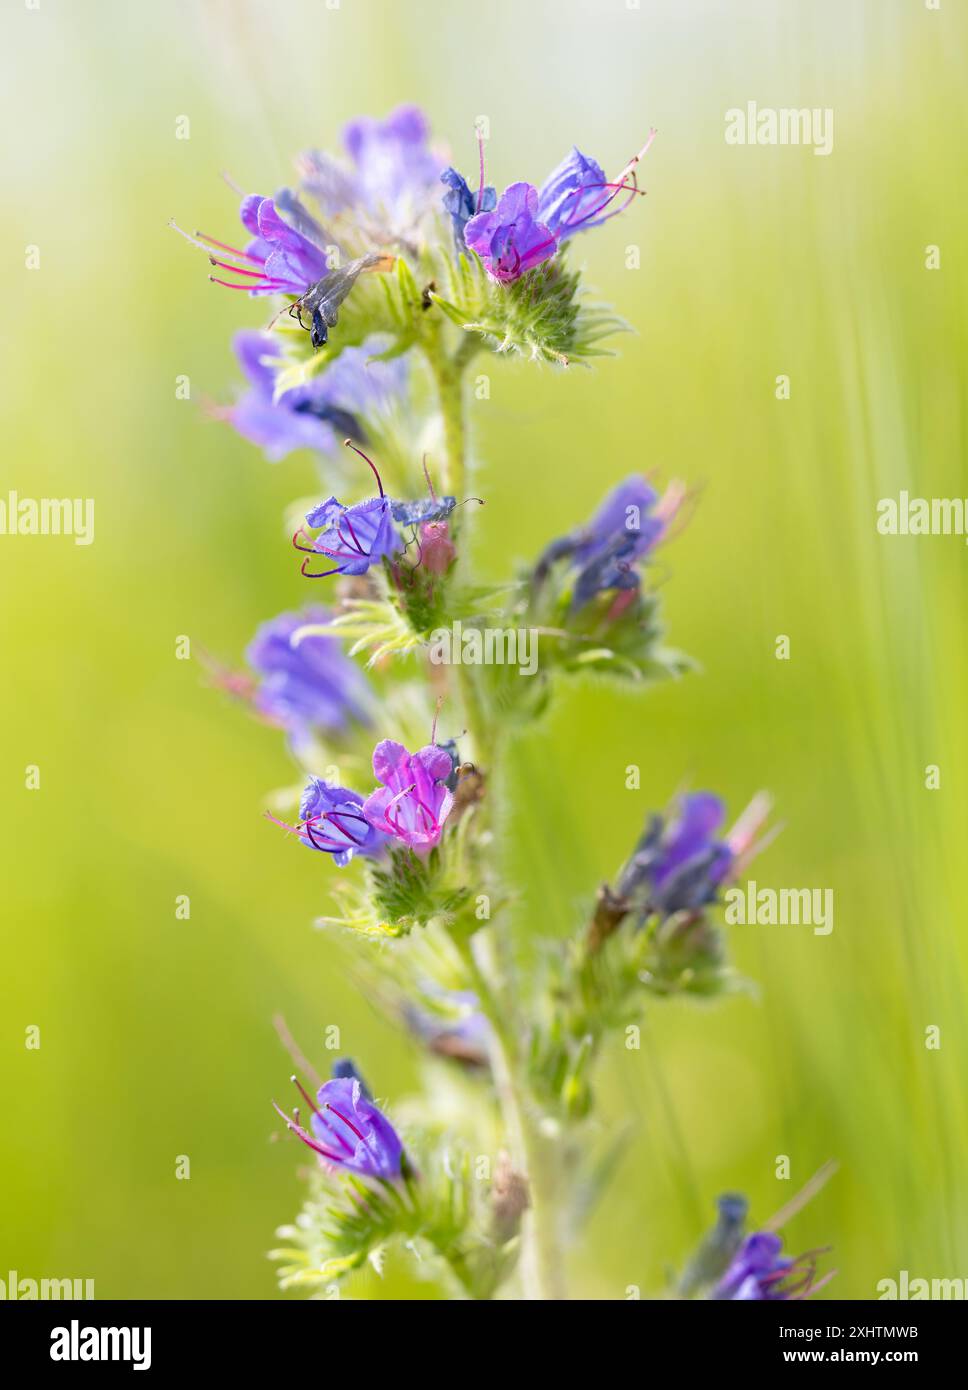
(238, 269)
(305, 1095)
(266, 284)
(349, 1123)
(296, 1128)
(224, 246)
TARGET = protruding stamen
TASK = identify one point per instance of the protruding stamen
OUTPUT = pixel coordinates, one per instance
(350, 445)
(296, 1128)
(480, 189)
(224, 246)
(305, 1095)
(238, 269)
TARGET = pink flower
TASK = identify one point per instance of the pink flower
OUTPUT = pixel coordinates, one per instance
(414, 801)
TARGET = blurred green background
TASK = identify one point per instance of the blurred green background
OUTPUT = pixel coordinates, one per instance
(156, 1033)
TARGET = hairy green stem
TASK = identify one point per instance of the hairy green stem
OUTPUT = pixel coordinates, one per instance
(531, 1152)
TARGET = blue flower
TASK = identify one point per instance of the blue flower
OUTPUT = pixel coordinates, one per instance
(758, 1271)
(331, 821)
(511, 239)
(528, 225)
(353, 538)
(348, 1131)
(391, 176)
(345, 1067)
(681, 862)
(279, 259)
(576, 196)
(462, 204)
(319, 414)
(312, 685)
(627, 527)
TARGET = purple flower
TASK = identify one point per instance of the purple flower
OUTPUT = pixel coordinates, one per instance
(627, 527)
(414, 801)
(352, 538)
(348, 1131)
(462, 204)
(278, 259)
(759, 1271)
(576, 196)
(680, 864)
(392, 174)
(528, 226)
(345, 1067)
(511, 240)
(319, 414)
(331, 820)
(312, 685)
(290, 262)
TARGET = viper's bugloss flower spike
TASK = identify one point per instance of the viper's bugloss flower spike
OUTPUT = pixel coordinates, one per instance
(759, 1271)
(277, 260)
(348, 1131)
(331, 821)
(309, 686)
(527, 226)
(414, 801)
(681, 862)
(320, 414)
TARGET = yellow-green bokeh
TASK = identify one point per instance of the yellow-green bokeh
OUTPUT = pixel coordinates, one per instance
(156, 1033)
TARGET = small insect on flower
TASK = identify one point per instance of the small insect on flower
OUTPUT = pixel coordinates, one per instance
(322, 301)
(414, 801)
(348, 1130)
(353, 538)
(331, 820)
(528, 225)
